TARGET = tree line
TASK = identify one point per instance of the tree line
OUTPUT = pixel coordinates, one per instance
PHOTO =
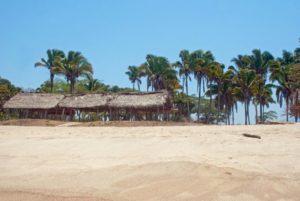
(249, 80)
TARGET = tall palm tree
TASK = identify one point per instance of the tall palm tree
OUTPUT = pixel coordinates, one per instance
(72, 67)
(246, 84)
(222, 89)
(185, 70)
(159, 72)
(259, 62)
(200, 62)
(52, 56)
(134, 74)
(280, 71)
(294, 77)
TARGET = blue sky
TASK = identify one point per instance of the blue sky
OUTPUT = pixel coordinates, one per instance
(115, 34)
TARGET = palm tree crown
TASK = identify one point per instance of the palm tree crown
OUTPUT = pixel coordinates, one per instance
(49, 63)
(72, 67)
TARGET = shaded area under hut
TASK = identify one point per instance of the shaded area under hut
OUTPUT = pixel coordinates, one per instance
(88, 107)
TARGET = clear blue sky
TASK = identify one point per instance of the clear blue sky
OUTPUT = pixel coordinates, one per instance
(114, 34)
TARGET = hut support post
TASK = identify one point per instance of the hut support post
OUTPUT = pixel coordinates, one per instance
(7, 113)
(163, 113)
(55, 113)
(62, 114)
(131, 117)
(110, 115)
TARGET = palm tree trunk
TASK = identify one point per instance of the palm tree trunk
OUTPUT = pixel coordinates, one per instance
(72, 86)
(261, 109)
(219, 104)
(245, 104)
(51, 81)
(248, 113)
(183, 84)
(133, 88)
(228, 116)
(199, 99)
(295, 105)
(287, 109)
(256, 117)
(210, 101)
(232, 115)
(187, 94)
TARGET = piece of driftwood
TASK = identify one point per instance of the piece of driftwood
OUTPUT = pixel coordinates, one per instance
(251, 136)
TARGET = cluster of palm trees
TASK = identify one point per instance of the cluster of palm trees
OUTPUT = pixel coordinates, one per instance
(249, 81)
(71, 65)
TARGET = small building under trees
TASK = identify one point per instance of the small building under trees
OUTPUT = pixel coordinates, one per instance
(104, 106)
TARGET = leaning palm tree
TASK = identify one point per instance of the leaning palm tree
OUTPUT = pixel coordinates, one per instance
(72, 67)
(134, 74)
(53, 55)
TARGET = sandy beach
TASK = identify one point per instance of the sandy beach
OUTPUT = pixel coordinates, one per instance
(178, 163)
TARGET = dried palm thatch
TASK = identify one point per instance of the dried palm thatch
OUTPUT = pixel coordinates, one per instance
(138, 101)
(33, 101)
(141, 100)
(85, 101)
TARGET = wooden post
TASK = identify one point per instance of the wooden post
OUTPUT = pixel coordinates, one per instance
(62, 114)
(55, 113)
(110, 115)
(163, 113)
(79, 115)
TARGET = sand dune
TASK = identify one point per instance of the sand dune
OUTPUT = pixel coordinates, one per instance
(214, 163)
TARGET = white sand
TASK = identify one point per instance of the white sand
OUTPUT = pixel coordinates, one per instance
(211, 163)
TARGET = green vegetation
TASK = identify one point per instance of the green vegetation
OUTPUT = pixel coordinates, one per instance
(251, 80)
(7, 90)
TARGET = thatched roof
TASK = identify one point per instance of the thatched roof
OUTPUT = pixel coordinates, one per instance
(85, 101)
(140, 100)
(33, 101)
(90, 101)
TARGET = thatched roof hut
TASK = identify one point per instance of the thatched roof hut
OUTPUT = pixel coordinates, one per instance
(33, 101)
(85, 101)
(140, 101)
(136, 101)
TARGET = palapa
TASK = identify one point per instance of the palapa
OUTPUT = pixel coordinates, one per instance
(33, 101)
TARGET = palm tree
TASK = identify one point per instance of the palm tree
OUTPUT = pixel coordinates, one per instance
(48, 63)
(222, 89)
(159, 72)
(200, 62)
(246, 84)
(259, 62)
(294, 77)
(72, 67)
(134, 74)
(92, 84)
(185, 70)
(280, 71)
